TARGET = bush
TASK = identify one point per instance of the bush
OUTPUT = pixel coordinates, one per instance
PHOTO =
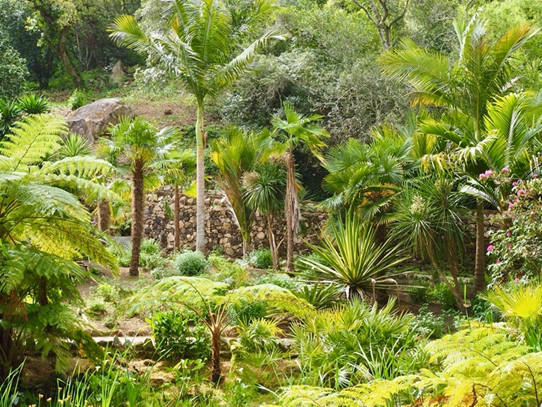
(107, 291)
(190, 263)
(246, 311)
(442, 294)
(12, 71)
(150, 256)
(261, 259)
(34, 104)
(280, 279)
(77, 99)
(122, 253)
(429, 324)
(174, 338)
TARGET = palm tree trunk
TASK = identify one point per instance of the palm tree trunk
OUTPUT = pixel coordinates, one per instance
(272, 242)
(480, 259)
(200, 180)
(137, 216)
(176, 210)
(104, 215)
(292, 212)
(216, 371)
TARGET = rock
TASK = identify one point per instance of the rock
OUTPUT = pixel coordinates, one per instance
(92, 120)
(117, 73)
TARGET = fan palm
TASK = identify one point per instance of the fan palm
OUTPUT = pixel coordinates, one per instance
(43, 230)
(139, 143)
(464, 89)
(293, 132)
(201, 49)
(353, 259)
(236, 154)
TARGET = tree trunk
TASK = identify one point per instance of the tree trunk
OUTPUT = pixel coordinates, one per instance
(137, 216)
(216, 371)
(200, 181)
(272, 242)
(480, 259)
(292, 212)
(104, 215)
(67, 63)
(176, 210)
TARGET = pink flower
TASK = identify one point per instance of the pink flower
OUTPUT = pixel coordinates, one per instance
(510, 206)
(516, 200)
(515, 183)
(505, 170)
(509, 246)
(531, 214)
(490, 247)
(498, 261)
(516, 280)
(508, 234)
(521, 192)
(488, 173)
(482, 176)
(535, 175)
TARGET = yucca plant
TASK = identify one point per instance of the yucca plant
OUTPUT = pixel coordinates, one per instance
(354, 260)
(34, 104)
(9, 113)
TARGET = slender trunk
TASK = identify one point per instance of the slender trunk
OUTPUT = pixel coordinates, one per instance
(246, 245)
(480, 259)
(291, 212)
(104, 215)
(200, 181)
(176, 210)
(137, 216)
(272, 242)
(67, 63)
(216, 371)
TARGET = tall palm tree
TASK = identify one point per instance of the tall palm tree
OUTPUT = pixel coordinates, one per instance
(201, 48)
(236, 154)
(295, 131)
(464, 89)
(140, 144)
(264, 191)
(177, 167)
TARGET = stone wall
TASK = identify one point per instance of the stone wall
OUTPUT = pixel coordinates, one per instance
(221, 229)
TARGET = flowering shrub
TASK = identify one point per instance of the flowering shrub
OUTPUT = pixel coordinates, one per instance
(515, 249)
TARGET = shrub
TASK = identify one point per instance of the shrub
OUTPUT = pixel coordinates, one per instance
(441, 293)
(174, 338)
(261, 259)
(260, 334)
(12, 70)
(107, 291)
(279, 279)
(150, 256)
(122, 253)
(319, 295)
(77, 99)
(246, 311)
(190, 263)
(429, 324)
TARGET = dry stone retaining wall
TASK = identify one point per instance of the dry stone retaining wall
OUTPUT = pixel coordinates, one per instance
(221, 229)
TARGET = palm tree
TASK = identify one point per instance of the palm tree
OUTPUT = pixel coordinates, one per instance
(236, 154)
(44, 229)
(177, 167)
(429, 217)
(201, 48)
(264, 191)
(464, 89)
(140, 144)
(296, 130)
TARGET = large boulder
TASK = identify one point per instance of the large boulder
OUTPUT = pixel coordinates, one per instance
(92, 120)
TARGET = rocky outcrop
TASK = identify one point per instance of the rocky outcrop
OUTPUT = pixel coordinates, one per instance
(221, 230)
(92, 120)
